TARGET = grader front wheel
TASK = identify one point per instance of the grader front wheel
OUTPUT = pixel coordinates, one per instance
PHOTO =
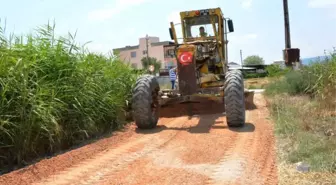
(145, 102)
(234, 99)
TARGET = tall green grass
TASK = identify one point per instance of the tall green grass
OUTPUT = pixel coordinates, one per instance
(316, 80)
(303, 105)
(304, 134)
(55, 94)
(274, 70)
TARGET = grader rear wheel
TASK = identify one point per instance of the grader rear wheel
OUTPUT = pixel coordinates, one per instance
(145, 102)
(234, 99)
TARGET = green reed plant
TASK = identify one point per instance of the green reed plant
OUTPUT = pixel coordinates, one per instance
(54, 94)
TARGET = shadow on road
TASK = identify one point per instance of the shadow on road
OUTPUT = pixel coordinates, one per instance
(200, 108)
(208, 114)
(198, 129)
(250, 106)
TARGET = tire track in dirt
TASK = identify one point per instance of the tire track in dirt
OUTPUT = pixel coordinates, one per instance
(160, 166)
(229, 167)
(167, 165)
(113, 160)
(232, 164)
(156, 141)
(161, 141)
(265, 153)
(197, 151)
(48, 167)
(249, 156)
(261, 168)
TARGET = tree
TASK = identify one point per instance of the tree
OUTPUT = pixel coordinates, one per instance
(151, 61)
(254, 60)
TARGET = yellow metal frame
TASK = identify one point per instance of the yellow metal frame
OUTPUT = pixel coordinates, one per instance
(174, 32)
(192, 13)
(220, 38)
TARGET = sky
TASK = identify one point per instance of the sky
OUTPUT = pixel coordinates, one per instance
(108, 24)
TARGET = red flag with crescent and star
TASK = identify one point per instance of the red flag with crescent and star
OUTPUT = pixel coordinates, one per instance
(185, 58)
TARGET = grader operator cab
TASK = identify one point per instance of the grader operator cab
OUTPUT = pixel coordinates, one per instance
(202, 71)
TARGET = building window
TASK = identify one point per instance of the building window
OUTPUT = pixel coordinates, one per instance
(133, 54)
(170, 53)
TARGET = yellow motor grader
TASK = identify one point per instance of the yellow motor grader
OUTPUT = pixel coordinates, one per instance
(202, 71)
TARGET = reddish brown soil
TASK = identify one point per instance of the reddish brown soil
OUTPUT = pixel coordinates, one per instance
(181, 150)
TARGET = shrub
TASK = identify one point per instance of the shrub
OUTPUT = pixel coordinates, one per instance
(254, 75)
(254, 60)
(276, 70)
(316, 80)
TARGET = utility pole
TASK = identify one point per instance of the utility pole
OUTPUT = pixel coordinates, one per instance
(241, 58)
(147, 46)
(287, 28)
(290, 55)
(149, 64)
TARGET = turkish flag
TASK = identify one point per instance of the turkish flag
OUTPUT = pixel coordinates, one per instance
(185, 58)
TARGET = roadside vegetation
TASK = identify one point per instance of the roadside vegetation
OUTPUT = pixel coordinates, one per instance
(55, 94)
(303, 106)
(261, 80)
(254, 60)
(256, 83)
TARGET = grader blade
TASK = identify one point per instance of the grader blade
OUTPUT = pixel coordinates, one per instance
(248, 98)
(170, 97)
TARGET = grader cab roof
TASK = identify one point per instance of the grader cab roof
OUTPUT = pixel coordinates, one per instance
(211, 20)
(193, 20)
(196, 13)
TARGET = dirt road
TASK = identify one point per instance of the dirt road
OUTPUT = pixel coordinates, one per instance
(198, 150)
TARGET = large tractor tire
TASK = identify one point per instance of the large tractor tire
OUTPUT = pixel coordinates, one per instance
(145, 102)
(234, 98)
